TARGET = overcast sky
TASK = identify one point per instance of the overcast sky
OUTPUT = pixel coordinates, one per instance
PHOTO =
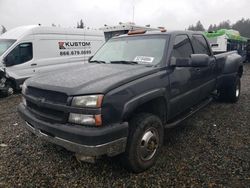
(173, 14)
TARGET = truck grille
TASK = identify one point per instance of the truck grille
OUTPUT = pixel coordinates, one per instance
(55, 97)
(46, 113)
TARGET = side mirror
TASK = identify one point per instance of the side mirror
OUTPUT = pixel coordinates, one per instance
(9, 60)
(180, 62)
(89, 59)
(199, 60)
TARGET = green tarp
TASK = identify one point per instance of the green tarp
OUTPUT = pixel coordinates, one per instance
(231, 34)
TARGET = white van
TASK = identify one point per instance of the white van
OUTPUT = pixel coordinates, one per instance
(28, 50)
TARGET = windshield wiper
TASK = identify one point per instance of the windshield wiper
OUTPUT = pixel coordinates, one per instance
(125, 62)
(97, 61)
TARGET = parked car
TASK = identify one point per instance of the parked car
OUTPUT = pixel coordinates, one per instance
(132, 89)
(29, 50)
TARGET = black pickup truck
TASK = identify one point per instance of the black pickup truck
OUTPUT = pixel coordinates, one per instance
(132, 89)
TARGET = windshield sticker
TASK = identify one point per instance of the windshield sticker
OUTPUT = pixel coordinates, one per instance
(144, 59)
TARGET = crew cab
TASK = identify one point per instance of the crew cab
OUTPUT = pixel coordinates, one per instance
(133, 88)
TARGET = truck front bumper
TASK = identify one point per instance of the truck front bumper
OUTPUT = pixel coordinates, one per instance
(88, 141)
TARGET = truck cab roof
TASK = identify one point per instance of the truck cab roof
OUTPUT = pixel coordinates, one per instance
(159, 32)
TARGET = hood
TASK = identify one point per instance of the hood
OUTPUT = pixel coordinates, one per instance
(89, 78)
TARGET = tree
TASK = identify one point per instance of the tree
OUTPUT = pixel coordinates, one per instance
(243, 26)
(197, 27)
(2, 29)
(224, 25)
(221, 25)
(80, 24)
(210, 28)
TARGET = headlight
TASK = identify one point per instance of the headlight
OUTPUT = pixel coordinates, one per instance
(24, 88)
(92, 101)
(94, 120)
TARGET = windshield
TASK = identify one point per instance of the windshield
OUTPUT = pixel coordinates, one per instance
(146, 50)
(5, 44)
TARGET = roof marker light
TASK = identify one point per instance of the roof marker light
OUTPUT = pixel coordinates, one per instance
(134, 32)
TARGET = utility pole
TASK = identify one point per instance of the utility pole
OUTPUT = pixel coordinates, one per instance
(133, 19)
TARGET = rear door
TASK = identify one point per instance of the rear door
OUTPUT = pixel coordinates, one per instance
(205, 75)
(184, 82)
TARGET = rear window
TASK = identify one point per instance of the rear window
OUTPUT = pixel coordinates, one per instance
(200, 45)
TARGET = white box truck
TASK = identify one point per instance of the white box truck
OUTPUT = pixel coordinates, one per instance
(29, 50)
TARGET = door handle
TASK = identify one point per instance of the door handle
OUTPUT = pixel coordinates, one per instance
(33, 64)
(198, 69)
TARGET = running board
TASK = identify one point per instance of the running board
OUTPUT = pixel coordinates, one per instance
(190, 113)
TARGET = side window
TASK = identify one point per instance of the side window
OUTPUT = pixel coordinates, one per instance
(200, 45)
(26, 52)
(20, 54)
(182, 47)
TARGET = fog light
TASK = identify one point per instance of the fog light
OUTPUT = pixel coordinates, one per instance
(85, 119)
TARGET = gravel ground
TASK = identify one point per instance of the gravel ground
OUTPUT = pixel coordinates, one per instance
(211, 149)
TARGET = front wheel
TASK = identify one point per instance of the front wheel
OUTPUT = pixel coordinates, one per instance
(144, 142)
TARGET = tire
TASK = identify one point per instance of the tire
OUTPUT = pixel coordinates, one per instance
(144, 142)
(8, 91)
(231, 93)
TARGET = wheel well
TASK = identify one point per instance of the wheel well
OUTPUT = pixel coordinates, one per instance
(12, 82)
(240, 71)
(157, 106)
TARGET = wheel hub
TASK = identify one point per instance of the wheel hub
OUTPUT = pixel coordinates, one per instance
(237, 92)
(149, 144)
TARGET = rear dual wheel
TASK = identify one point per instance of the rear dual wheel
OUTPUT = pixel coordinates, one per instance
(232, 92)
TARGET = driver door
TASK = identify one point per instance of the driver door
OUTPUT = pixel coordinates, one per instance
(19, 61)
(184, 82)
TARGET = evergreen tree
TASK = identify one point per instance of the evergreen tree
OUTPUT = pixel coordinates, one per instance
(211, 27)
(243, 26)
(224, 25)
(2, 29)
(80, 24)
(197, 27)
